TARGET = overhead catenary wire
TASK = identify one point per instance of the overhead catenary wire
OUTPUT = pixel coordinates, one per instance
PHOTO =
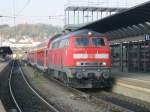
(26, 4)
(52, 17)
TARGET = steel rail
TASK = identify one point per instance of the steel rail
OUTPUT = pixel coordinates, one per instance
(10, 88)
(36, 93)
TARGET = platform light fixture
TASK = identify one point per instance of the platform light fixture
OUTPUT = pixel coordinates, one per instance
(89, 33)
(148, 23)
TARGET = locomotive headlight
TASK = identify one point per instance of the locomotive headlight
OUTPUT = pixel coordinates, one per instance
(104, 63)
(83, 70)
(89, 33)
(106, 75)
(77, 63)
(98, 70)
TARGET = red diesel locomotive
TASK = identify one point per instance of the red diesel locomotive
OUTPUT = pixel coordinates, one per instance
(80, 59)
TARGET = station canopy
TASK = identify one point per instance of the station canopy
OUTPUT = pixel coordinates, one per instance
(132, 22)
(85, 8)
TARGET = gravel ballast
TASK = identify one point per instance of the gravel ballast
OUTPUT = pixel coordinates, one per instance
(63, 98)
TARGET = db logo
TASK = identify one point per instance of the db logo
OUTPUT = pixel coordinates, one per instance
(91, 56)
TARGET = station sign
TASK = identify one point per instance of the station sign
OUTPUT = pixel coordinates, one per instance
(147, 37)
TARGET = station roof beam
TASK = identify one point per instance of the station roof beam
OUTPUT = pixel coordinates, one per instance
(147, 27)
(82, 14)
(135, 21)
(133, 31)
(88, 8)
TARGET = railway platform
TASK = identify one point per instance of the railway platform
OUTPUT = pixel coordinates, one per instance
(136, 85)
(3, 65)
(2, 107)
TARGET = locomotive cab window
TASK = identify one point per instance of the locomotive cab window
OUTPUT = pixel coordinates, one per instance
(97, 42)
(55, 44)
(64, 43)
(83, 42)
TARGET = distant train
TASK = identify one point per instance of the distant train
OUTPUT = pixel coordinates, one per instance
(80, 59)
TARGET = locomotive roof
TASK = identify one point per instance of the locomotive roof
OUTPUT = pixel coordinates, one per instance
(77, 33)
(55, 36)
(85, 33)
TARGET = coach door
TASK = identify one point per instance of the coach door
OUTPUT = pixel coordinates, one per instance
(45, 57)
(35, 57)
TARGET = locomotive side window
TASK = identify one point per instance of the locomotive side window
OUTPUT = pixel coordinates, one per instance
(98, 42)
(64, 43)
(61, 44)
(55, 44)
(84, 42)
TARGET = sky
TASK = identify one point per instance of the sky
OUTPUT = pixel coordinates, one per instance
(38, 11)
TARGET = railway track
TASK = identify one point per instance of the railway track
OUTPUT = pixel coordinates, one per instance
(83, 94)
(120, 100)
(5, 96)
(25, 97)
(115, 101)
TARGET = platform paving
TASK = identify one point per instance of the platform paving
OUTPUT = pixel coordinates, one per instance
(3, 65)
(140, 79)
(2, 107)
(135, 85)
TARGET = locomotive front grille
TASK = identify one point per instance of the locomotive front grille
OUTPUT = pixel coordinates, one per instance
(94, 64)
(91, 64)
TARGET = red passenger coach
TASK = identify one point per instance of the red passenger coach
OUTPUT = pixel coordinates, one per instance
(41, 55)
(38, 56)
(81, 59)
(31, 57)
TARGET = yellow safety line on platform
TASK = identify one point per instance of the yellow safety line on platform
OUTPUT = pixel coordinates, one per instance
(134, 87)
(140, 80)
